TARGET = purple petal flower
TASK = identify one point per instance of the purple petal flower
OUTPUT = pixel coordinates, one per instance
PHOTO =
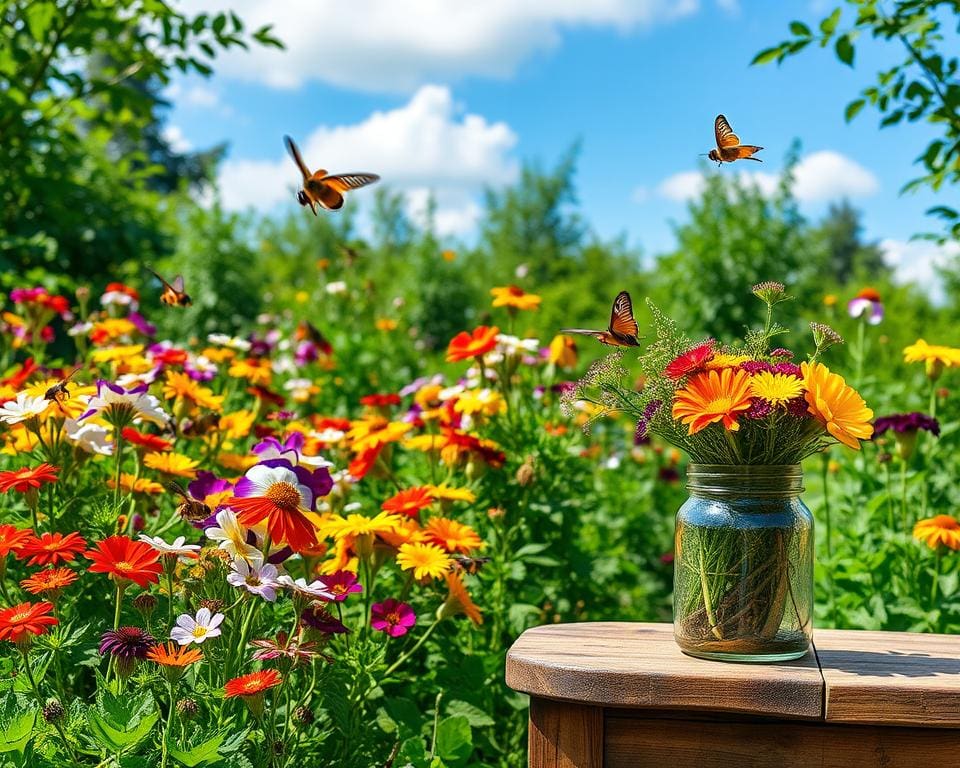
(393, 617)
(906, 422)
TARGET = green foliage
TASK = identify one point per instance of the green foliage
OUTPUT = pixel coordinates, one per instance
(118, 723)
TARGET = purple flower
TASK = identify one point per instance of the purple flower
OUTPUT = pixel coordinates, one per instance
(207, 484)
(906, 422)
(319, 618)
(640, 435)
(199, 368)
(798, 407)
(342, 584)
(393, 617)
(759, 409)
(866, 302)
(306, 352)
(417, 384)
(126, 645)
(788, 369)
(142, 324)
(755, 366)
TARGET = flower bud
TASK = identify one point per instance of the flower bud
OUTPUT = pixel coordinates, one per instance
(53, 711)
(187, 709)
(770, 292)
(145, 604)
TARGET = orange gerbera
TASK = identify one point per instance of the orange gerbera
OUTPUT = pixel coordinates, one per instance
(20, 621)
(27, 478)
(51, 548)
(451, 535)
(938, 530)
(253, 684)
(11, 539)
(50, 581)
(409, 502)
(173, 655)
(465, 345)
(125, 560)
(836, 405)
(713, 396)
(459, 600)
(515, 297)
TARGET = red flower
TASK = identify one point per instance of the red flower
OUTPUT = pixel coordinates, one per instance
(18, 621)
(464, 345)
(380, 401)
(253, 684)
(49, 580)
(690, 361)
(27, 478)
(11, 539)
(125, 559)
(170, 356)
(262, 393)
(364, 462)
(320, 423)
(51, 548)
(145, 440)
(409, 502)
(17, 380)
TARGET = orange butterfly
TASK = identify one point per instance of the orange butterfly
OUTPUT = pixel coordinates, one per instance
(623, 328)
(321, 189)
(729, 147)
(173, 293)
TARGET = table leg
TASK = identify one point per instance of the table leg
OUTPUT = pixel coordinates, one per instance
(565, 735)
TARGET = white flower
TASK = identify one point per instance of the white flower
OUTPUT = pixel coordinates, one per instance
(257, 579)
(232, 537)
(284, 364)
(338, 286)
(134, 380)
(145, 407)
(513, 345)
(203, 364)
(80, 329)
(259, 480)
(23, 408)
(196, 630)
(91, 437)
(353, 506)
(315, 590)
(179, 547)
(330, 436)
(521, 271)
(120, 299)
(223, 340)
(451, 392)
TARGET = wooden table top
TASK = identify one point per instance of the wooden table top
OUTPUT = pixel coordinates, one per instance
(884, 678)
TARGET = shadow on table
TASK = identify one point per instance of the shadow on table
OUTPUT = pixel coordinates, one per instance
(888, 663)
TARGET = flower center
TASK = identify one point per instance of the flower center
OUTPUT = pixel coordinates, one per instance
(18, 617)
(284, 496)
(199, 631)
(393, 618)
(721, 404)
(253, 580)
(123, 565)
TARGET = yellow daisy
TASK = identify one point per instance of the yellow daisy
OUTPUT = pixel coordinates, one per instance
(179, 386)
(113, 354)
(374, 431)
(776, 388)
(237, 424)
(172, 464)
(338, 527)
(427, 561)
(444, 492)
(487, 402)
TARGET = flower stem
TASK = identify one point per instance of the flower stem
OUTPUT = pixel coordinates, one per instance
(40, 701)
(903, 495)
(705, 588)
(936, 577)
(423, 638)
(166, 728)
(825, 462)
(118, 456)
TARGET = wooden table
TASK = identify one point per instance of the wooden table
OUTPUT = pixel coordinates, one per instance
(615, 695)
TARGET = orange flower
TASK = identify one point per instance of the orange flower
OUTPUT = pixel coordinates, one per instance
(409, 502)
(51, 548)
(464, 345)
(515, 297)
(938, 530)
(713, 396)
(253, 684)
(50, 580)
(459, 601)
(125, 560)
(836, 405)
(451, 535)
(173, 655)
(11, 539)
(20, 621)
(563, 351)
(27, 478)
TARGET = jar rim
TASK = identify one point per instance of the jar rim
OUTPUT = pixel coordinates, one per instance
(745, 480)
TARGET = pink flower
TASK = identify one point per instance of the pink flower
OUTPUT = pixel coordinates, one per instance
(393, 617)
(342, 584)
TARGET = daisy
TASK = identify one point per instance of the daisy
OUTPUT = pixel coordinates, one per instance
(25, 407)
(122, 405)
(232, 537)
(315, 590)
(257, 578)
(178, 548)
(90, 437)
(197, 629)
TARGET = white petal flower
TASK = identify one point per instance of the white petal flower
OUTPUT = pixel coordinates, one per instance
(256, 578)
(315, 590)
(197, 629)
(232, 537)
(89, 436)
(23, 408)
(178, 547)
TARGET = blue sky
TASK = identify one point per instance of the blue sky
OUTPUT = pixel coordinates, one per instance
(447, 98)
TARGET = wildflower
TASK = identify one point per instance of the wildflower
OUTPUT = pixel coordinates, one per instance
(257, 372)
(121, 406)
(393, 617)
(187, 392)
(776, 388)
(642, 430)
(145, 603)
(145, 440)
(175, 464)
(315, 590)
(824, 336)
(380, 400)
(770, 292)
(256, 577)
(938, 530)
(452, 535)
(19, 622)
(514, 297)
(459, 601)
(284, 647)
(126, 645)
(27, 479)
(935, 357)
(719, 361)
(278, 495)
(465, 345)
(11, 539)
(428, 561)
(232, 537)
(867, 300)
(198, 629)
(178, 548)
(174, 659)
(385, 324)
(905, 427)
(133, 484)
(341, 585)
(443, 492)
(836, 405)
(125, 560)
(187, 708)
(24, 408)
(484, 401)
(689, 362)
(251, 687)
(51, 548)
(713, 396)
(90, 437)
(408, 502)
(562, 351)
(50, 582)
(53, 711)
(375, 432)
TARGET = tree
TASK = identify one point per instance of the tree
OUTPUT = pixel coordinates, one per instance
(924, 86)
(845, 252)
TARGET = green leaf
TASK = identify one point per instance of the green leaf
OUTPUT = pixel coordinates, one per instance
(412, 754)
(207, 752)
(475, 716)
(853, 109)
(530, 549)
(767, 55)
(120, 722)
(17, 718)
(800, 29)
(454, 740)
(39, 17)
(844, 49)
(829, 24)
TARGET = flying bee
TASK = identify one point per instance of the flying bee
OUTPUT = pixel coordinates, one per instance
(189, 509)
(623, 329)
(59, 393)
(199, 427)
(307, 331)
(173, 293)
(471, 565)
(321, 188)
(729, 147)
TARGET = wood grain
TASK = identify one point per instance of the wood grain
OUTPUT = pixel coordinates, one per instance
(614, 664)
(639, 742)
(565, 735)
(891, 678)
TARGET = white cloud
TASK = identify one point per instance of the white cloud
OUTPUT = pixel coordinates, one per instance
(916, 261)
(385, 45)
(819, 176)
(427, 146)
(201, 96)
(173, 134)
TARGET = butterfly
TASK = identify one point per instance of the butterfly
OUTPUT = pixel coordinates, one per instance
(322, 189)
(59, 393)
(307, 331)
(471, 565)
(173, 293)
(623, 328)
(729, 147)
(189, 508)
(200, 426)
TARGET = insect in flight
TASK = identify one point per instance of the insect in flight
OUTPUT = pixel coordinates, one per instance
(189, 508)
(623, 330)
(729, 147)
(59, 393)
(173, 293)
(307, 331)
(320, 188)
(471, 565)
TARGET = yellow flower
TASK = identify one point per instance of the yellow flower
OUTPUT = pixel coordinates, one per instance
(132, 484)
(386, 324)
(427, 561)
(720, 360)
(713, 396)
(563, 351)
(257, 372)
(237, 424)
(70, 408)
(239, 462)
(449, 255)
(407, 531)
(112, 329)
(515, 297)
(172, 464)
(935, 357)
(424, 443)
(776, 388)
(428, 396)
(338, 527)
(452, 536)
(938, 530)
(301, 297)
(444, 492)
(829, 300)
(459, 601)
(836, 405)
(487, 402)
(343, 559)
(218, 354)
(113, 354)
(182, 387)
(374, 431)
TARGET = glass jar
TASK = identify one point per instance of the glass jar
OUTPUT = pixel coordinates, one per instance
(743, 565)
